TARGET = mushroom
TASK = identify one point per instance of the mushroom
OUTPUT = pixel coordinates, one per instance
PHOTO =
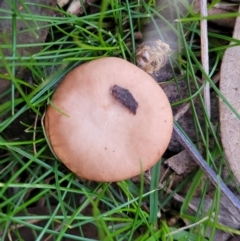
(109, 120)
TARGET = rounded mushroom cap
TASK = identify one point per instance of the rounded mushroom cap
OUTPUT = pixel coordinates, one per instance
(93, 128)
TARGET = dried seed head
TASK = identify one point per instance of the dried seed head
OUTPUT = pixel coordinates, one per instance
(151, 56)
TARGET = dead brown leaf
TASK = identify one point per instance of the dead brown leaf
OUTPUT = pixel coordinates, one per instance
(182, 163)
(230, 88)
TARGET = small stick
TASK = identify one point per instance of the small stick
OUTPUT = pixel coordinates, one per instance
(194, 153)
(204, 54)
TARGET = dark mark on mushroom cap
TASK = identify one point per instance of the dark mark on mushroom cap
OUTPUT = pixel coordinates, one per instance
(125, 97)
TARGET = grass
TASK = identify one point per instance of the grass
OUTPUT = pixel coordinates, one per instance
(37, 192)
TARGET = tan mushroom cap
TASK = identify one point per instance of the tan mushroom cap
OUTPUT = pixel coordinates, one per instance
(95, 135)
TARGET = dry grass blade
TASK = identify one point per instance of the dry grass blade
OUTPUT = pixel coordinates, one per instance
(205, 167)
